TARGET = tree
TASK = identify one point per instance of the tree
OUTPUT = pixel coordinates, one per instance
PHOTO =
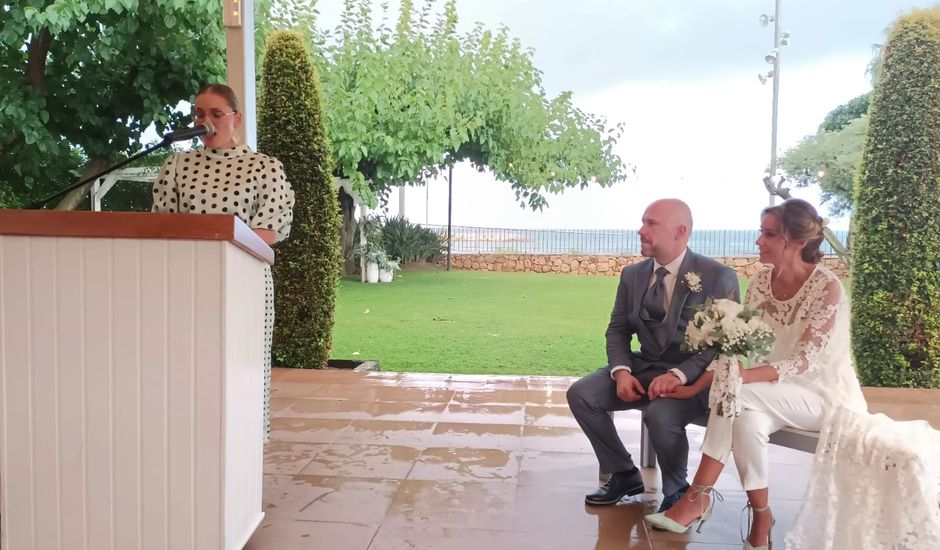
(403, 103)
(829, 159)
(8, 199)
(896, 276)
(271, 15)
(290, 128)
(841, 116)
(80, 81)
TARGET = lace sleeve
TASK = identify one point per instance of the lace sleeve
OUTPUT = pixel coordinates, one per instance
(820, 318)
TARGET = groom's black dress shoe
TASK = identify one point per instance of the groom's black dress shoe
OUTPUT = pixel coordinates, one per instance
(618, 486)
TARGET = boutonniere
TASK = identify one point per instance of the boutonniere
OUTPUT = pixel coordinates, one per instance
(694, 281)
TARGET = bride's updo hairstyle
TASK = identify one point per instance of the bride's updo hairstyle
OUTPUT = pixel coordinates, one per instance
(799, 221)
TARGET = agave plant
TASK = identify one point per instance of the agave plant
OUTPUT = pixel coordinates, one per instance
(411, 242)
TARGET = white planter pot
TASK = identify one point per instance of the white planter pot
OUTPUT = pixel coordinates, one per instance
(372, 273)
(386, 276)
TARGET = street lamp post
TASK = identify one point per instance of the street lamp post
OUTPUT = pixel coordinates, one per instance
(773, 116)
(780, 39)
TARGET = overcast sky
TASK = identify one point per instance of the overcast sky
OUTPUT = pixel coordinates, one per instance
(682, 76)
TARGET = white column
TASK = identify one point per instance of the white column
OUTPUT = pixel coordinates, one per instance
(239, 19)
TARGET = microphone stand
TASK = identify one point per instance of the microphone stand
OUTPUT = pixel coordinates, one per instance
(167, 140)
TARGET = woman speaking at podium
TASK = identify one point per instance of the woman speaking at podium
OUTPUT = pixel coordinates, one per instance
(226, 177)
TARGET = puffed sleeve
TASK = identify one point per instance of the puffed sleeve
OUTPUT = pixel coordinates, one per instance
(165, 190)
(275, 200)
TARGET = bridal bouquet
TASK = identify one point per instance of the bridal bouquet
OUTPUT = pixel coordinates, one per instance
(730, 329)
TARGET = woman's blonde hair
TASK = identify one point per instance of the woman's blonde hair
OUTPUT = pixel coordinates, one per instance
(228, 94)
(798, 221)
(223, 91)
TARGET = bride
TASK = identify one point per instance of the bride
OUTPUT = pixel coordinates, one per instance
(808, 370)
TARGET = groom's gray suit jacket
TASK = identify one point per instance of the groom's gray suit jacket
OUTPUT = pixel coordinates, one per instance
(660, 342)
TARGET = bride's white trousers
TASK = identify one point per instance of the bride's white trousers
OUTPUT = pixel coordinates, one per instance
(765, 408)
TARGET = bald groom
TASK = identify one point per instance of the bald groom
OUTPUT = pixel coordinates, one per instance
(655, 300)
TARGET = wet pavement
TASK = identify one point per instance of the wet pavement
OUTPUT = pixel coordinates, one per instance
(394, 461)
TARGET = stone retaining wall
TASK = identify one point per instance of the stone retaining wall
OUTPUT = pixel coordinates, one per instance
(746, 266)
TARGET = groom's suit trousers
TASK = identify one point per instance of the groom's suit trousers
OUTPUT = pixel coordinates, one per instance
(765, 408)
(594, 396)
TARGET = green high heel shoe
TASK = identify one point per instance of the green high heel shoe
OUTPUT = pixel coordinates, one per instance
(744, 534)
(694, 493)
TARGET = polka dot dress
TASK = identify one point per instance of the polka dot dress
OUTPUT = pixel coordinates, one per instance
(234, 181)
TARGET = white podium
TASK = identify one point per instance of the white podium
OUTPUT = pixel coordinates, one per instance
(131, 381)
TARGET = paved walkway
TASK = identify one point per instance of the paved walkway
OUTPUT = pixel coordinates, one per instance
(390, 461)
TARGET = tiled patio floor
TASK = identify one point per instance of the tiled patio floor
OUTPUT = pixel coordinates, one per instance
(394, 461)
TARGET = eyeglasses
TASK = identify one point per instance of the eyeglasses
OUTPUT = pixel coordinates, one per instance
(215, 114)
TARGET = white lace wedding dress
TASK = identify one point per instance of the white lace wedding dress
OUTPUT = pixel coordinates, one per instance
(811, 346)
(875, 481)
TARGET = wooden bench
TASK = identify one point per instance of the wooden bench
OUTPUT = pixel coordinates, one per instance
(899, 404)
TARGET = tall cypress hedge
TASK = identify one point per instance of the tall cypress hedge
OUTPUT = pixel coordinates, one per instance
(306, 273)
(896, 268)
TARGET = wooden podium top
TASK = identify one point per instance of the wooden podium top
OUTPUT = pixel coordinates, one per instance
(135, 225)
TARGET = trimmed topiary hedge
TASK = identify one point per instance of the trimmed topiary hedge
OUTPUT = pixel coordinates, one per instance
(306, 273)
(896, 268)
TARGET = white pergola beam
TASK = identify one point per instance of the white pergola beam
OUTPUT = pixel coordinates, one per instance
(238, 16)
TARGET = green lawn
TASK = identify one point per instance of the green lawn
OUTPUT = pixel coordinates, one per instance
(475, 322)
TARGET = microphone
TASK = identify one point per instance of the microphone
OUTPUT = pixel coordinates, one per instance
(189, 133)
(168, 138)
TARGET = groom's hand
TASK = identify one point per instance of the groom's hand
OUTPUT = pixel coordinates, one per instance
(663, 384)
(681, 392)
(629, 388)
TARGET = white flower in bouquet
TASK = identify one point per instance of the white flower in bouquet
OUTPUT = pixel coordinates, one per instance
(730, 329)
(755, 323)
(695, 333)
(733, 329)
(726, 308)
